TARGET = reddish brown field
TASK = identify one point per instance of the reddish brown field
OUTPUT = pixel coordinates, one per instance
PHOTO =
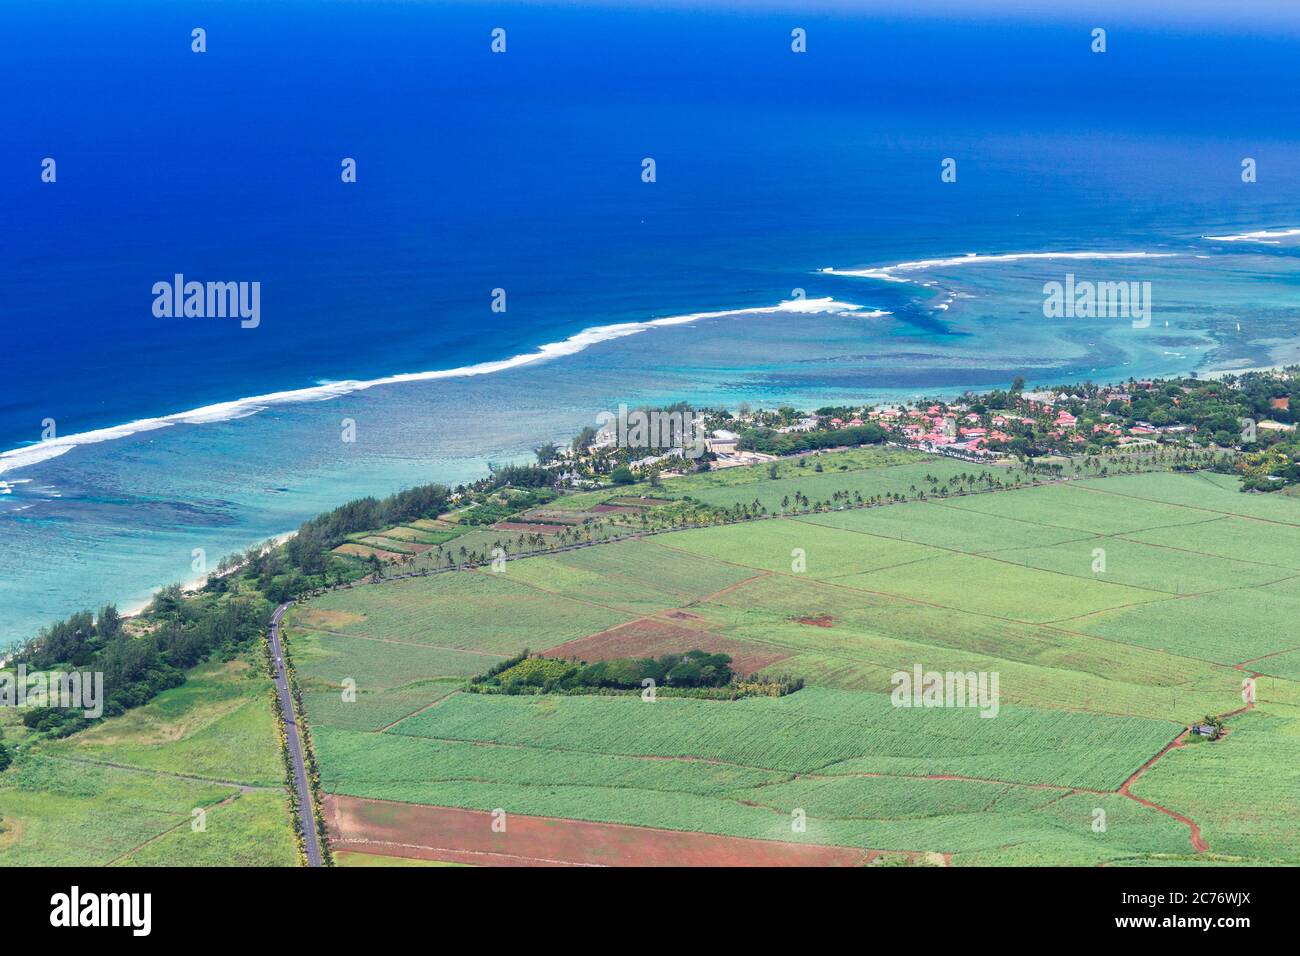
(824, 620)
(640, 502)
(616, 509)
(650, 637)
(365, 551)
(465, 836)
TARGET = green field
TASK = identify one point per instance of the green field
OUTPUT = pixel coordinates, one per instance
(1100, 667)
(124, 792)
(473, 610)
(1246, 798)
(630, 577)
(816, 730)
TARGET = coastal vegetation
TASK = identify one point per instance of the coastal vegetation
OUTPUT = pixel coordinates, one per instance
(694, 673)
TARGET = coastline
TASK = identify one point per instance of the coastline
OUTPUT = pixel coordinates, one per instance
(195, 584)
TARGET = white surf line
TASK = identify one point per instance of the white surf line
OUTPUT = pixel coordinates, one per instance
(889, 273)
(1265, 236)
(243, 407)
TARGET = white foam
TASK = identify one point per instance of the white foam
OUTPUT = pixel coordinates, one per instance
(1266, 236)
(889, 273)
(240, 408)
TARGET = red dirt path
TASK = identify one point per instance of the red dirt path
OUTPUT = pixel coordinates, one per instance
(465, 836)
(1198, 842)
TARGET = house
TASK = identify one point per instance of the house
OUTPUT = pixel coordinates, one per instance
(803, 425)
(723, 442)
(1205, 730)
(571, 479)
(655, 459)
(1066, 419)
(1281, 404)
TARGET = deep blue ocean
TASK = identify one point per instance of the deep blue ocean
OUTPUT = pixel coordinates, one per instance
(522, 171)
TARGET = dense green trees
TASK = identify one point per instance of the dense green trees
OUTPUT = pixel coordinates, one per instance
(177, 633)
(773, 442)
(524, 674)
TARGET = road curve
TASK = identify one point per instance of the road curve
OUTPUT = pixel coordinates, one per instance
(307, 818)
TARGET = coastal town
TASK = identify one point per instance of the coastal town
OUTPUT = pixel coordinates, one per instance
(1250, 416)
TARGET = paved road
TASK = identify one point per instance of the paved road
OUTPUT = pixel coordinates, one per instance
(295, 744)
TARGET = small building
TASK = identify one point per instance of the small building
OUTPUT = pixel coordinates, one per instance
(722, 443)
(1272, 426)
(1205, 730)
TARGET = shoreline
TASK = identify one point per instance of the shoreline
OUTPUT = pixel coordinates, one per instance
(134, 608)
